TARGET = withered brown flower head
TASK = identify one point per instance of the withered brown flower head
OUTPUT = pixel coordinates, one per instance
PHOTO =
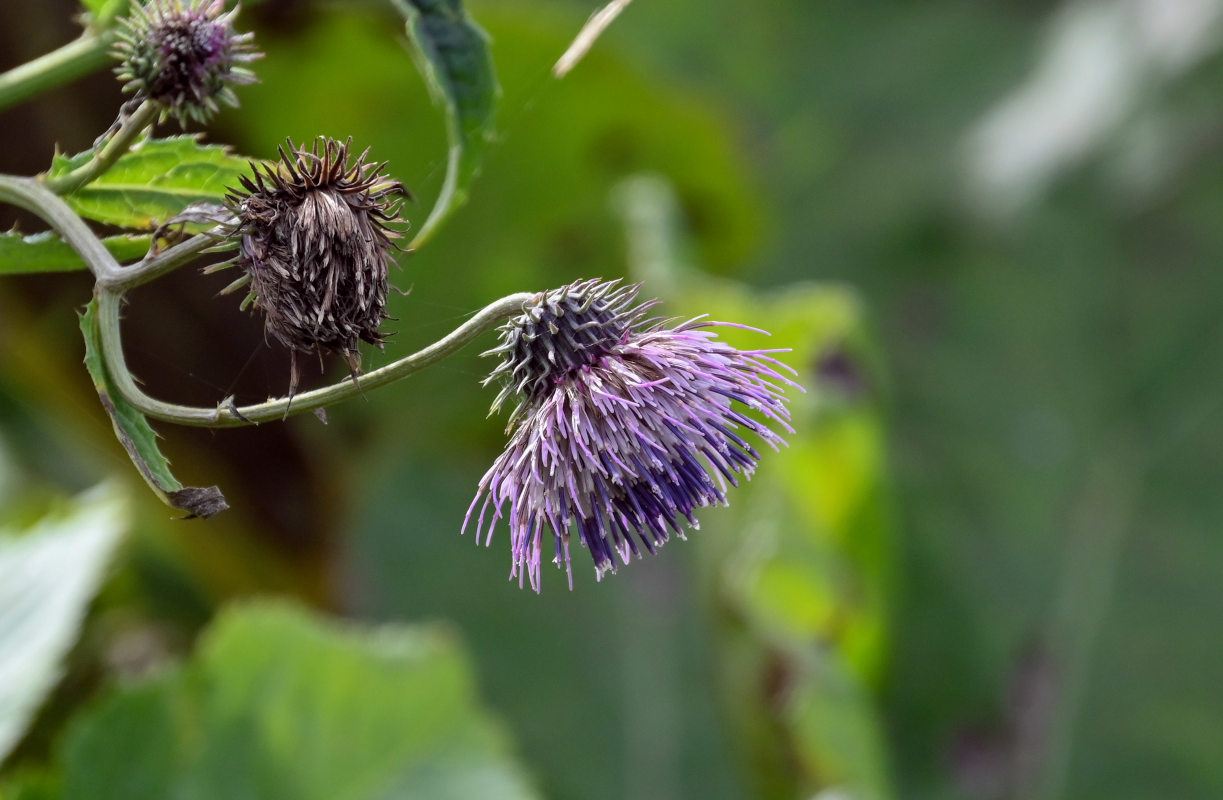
(316, 243)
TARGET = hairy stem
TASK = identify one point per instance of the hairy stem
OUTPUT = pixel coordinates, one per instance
(104, 158)
(113, 280)
(31, 195)
(229, 416)
(154, 266)
(74, 60)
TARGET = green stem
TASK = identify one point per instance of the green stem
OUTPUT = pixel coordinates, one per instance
(74, 60)
(31, 195)
(154, 267)
(103, 159)
(228, 416)
(113, 280)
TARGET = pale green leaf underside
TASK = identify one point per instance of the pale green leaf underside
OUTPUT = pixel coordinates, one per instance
(47, 252)
(48, 575)
(154, 182)
(452, 54)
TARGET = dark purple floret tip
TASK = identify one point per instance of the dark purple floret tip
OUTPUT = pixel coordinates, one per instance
(624, 428)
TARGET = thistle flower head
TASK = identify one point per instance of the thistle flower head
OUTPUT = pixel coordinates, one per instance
(625, 426)
(184, 55)
(315, 244)
(562, 331)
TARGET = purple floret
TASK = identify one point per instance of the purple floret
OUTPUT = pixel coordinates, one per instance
(625, 426)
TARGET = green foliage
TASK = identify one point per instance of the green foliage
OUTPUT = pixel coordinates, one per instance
(48, 575)
(1053, 384)
(278, 704)
(47, 252)
(799, 568)
(452, 54)
(153, 182)
(104, 11)
(138, 437)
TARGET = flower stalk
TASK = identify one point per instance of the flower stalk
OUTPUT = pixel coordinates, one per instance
(227, 415)
(78, 58)
(33, 196)
(130, 129)
(113, 280)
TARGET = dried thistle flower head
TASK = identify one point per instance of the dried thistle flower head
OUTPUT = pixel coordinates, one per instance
(316, 243)
(624, 426)
(184, 55)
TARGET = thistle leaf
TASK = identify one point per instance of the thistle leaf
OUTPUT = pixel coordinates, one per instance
(48, 575)
(153, 182)
(452, 54)
(801, 562)
(47, 252)
(277, 703)
(138, 437)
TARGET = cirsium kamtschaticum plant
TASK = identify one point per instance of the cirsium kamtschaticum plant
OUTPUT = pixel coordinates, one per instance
(625, 425)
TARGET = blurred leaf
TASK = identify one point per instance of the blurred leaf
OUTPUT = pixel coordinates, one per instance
(46, 252)
(48, 575)
(799, 566)
(278, 704)
(103, 11)
(31, 785)
(138, 437)
(153, 182)
(451, 52)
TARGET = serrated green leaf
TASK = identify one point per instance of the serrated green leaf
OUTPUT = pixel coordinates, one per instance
(138, 437)
(452, 54)
(47, 252)
(48, 575)
(153, 182)
(279, 704)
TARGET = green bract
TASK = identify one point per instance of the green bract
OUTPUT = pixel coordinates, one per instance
(184, 56)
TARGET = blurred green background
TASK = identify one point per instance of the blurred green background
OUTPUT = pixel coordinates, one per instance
(988, 566)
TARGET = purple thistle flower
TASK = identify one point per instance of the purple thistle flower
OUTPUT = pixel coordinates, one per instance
(624, 426)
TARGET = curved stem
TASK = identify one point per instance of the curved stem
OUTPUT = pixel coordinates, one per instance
(113, 280)
(75, 59)
(103, 159)
(229, 416)
(153, 267)
(31, 195)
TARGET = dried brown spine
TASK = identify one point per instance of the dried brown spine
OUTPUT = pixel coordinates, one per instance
(316, 240)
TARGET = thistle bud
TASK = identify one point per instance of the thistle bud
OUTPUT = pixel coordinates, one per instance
(316, 243)
(183, 55)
